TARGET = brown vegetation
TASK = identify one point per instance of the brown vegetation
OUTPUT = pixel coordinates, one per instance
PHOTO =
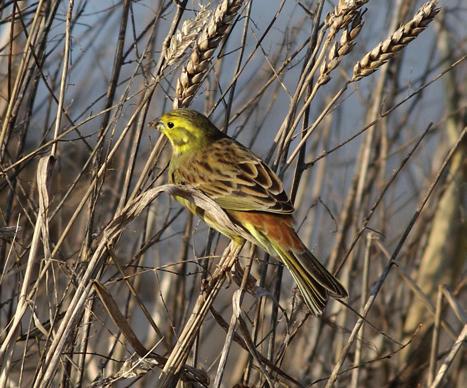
(104, 279)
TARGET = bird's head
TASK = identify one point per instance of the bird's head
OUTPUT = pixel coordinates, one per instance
(187, 130)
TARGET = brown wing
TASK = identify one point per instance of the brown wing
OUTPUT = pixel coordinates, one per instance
(234, 177)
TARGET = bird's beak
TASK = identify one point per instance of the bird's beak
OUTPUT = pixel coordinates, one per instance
(156, 124)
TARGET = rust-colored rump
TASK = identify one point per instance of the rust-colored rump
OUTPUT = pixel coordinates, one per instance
(277, 227)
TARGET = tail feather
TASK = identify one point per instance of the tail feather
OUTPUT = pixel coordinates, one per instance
(275, 233)
(313, 280)
(320, 274)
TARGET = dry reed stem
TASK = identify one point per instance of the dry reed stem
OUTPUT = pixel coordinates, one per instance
(237, 299)
(64, 77)
(379, 284)
(33, 38)
(421, 296)
(350, 217)
(337, 96)
(388, 48)
(145, 360)
(196, 68)
(460, 340)
(247, 343)
(386, 113)
(40, 228)
(363, 297)
(91, 347)
(108, 238)
(345, 13)
(180, 353)
(456, 307)
(439, 264)
(308, 131)
(441, 256)
(136, 366)
(8, 232)
(435, 336)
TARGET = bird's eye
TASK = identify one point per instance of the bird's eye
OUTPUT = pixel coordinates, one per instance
(170, 124)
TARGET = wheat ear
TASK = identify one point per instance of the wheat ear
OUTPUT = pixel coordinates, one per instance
(388, 48)
(339, 49)
(186, 36)
(196, 68)
(343, 14)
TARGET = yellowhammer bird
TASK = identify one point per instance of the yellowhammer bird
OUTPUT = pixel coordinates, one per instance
(249, 192)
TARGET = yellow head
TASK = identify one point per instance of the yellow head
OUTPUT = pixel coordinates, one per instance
(187, 130)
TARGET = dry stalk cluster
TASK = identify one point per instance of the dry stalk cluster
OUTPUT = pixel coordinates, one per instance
(90, 275)
(343, 14)
(186, 36)
(196, 68)
(388, 48)
(137, 366)
(339, 49)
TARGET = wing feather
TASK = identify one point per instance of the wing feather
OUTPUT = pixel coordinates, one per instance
(235, 178)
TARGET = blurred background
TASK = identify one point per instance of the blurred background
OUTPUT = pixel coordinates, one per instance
(379, 188)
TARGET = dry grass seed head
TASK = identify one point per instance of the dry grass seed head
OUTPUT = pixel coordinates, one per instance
(339, 49)
(342, 14)
(195, 70)
(388, 48)
(186, 36)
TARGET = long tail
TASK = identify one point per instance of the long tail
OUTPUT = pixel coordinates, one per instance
(276, 234)
(313, 279)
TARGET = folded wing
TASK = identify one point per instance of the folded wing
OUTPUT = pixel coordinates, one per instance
(235, 178)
